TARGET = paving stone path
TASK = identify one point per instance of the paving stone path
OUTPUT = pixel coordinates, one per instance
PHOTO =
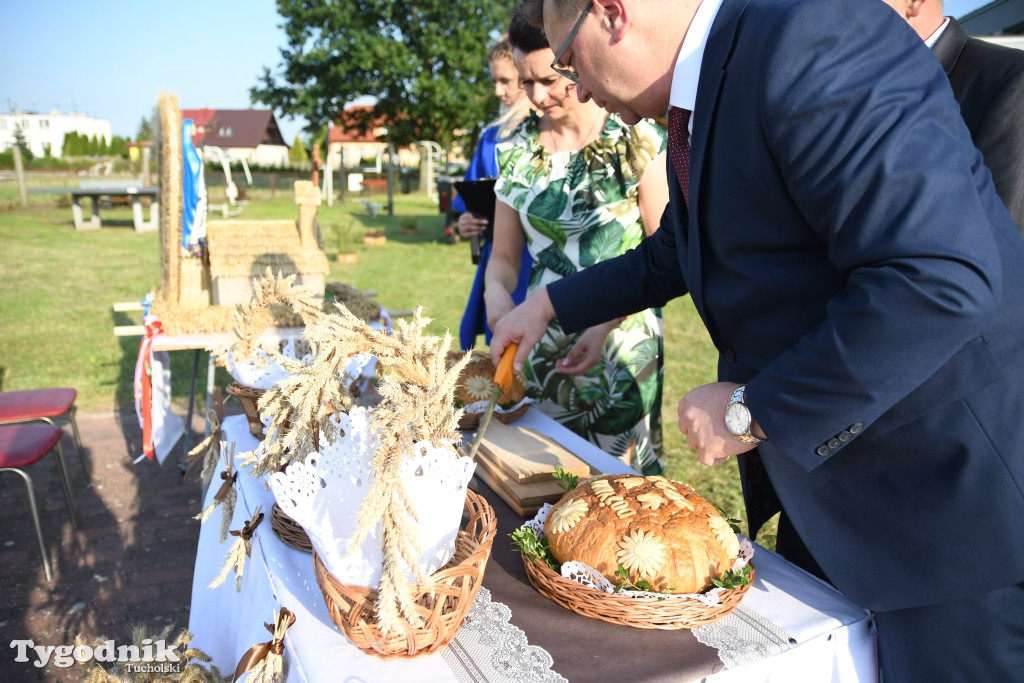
(129, 562)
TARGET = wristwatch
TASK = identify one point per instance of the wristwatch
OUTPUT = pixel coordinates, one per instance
(737, 417)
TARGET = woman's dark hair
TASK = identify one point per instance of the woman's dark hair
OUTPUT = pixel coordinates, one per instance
(525, 37)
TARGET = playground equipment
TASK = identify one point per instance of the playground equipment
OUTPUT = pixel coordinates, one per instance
(233, 206)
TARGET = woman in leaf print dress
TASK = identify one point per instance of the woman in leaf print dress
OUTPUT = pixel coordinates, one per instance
(577, 187)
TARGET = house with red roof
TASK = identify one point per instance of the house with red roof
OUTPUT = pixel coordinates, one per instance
(347, 137)
(243, 134)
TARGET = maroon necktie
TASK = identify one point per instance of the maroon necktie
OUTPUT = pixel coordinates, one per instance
(679, 147)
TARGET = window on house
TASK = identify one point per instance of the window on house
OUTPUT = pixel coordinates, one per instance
(44, 123)
(226, 132)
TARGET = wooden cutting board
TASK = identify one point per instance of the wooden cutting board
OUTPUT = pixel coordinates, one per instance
(525, 455)
(524, 499)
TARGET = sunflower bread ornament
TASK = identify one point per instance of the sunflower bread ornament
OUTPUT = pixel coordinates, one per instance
(476, 382)
(658, 530)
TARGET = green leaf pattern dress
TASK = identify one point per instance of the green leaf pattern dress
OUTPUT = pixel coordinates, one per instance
(578, 208)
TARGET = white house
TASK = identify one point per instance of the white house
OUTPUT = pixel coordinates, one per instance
(45, 132)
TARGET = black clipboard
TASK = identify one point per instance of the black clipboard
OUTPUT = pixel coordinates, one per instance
(478, 196)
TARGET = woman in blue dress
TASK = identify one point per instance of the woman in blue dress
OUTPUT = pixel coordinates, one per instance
(515, 107)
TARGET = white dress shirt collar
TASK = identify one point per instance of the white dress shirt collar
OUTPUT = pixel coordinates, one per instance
(933, 38)
(687, 71)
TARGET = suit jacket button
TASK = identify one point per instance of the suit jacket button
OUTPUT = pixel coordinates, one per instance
(729, 355)
(823, 449)
(845, 435)
(856, 428)
(834, 443)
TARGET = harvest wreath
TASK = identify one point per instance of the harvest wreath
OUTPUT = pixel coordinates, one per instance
(380, 490)
(646, 552)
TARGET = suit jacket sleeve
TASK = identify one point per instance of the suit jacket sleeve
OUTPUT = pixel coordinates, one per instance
(883, 172)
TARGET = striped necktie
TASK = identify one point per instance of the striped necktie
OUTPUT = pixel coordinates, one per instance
(679, 147)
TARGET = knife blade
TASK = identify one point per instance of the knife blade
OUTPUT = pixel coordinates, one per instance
(502, 383)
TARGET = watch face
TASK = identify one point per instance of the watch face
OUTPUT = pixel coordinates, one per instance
(737, 418)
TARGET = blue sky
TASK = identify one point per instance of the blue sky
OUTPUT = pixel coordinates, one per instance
(112, 58)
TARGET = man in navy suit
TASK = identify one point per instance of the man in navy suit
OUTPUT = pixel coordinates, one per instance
(845, 247)
(988, 83)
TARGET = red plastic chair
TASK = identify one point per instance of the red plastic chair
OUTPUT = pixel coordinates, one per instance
(42, 405)
(22, 445)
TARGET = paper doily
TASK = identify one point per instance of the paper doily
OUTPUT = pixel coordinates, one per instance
(325, 491)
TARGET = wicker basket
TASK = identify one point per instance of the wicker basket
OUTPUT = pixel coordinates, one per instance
(354, 612)
(249, 397)
(650, 613)
(472, 420)
(288, 530)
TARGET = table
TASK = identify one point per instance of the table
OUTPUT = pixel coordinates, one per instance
(513, 628)
(195, 343)
(95, 193)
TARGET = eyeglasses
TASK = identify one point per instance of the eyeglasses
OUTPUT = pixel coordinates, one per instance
(557, 65)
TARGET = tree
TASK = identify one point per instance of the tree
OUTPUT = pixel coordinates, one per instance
(144, 131)
(67, 149)
(424, 62)
(19, 140)
(298, 154)
(118, 146)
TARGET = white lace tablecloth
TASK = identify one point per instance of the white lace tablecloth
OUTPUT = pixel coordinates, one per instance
(772, 636)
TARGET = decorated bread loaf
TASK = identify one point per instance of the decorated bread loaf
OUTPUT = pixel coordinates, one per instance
(476, 382)
(660, 531)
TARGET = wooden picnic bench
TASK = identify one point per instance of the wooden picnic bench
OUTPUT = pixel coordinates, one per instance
(97, 189)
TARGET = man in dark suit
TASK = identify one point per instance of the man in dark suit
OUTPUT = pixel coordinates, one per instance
(988, 82)
(844, 245)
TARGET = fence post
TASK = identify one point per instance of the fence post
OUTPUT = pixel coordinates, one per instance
(391, 178)
(20, 172)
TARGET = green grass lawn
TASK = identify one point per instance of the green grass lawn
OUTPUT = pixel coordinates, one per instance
(58, 287)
